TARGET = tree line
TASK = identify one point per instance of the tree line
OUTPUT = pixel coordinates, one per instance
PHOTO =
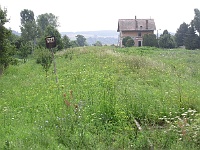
(33, 33)
(187, 35)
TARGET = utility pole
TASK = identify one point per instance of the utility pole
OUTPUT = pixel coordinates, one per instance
(157, 38)
(157, 33)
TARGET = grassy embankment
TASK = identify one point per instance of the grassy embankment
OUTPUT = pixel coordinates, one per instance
(100, 93)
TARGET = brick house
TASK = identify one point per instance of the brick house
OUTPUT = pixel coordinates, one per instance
(135, 28)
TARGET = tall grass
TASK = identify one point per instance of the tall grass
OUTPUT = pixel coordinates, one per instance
(101, 91)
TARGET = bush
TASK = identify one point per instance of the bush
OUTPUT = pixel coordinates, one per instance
(24, 51)
(44, 57)
(150, 40)
(98, 43)
(166, 40)
(128, 41)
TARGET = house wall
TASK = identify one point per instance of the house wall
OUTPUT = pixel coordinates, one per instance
(134, 35)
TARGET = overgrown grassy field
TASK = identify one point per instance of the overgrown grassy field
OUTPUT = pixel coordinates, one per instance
(100, 95)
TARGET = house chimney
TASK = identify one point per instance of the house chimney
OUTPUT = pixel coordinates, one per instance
(136, 23)
(146, 24)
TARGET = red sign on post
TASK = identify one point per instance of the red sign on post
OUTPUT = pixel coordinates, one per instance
(50, 42)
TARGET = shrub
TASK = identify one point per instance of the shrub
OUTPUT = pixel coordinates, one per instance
(150, 40)
(44, 57)
(128, 41)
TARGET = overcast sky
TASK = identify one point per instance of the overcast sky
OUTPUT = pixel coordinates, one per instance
(91, 15)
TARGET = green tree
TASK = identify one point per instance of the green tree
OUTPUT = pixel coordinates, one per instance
(26, 16)
(166, 40)
(44, 57)
(24, 51)
(124, 40)
(66, 42)
(51, 31)
(29, 32)
(28, 26)
(128, 41)
(98, 43)
(150, 40)
(181, 34)
(15, 40)
(191, 40)
(6, 49)
(74, 43)
(45, 20)
(18, 42)
(81, 40)
(196, 20)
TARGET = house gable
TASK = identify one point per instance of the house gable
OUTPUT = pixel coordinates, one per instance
(136, 24)
(135, 28)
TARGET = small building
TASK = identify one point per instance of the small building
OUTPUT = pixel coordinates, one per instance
(135, 28)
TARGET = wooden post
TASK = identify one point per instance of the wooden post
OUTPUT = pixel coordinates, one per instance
(51, 43)
(54, 65)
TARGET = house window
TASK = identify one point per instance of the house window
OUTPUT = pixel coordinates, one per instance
(139, 34)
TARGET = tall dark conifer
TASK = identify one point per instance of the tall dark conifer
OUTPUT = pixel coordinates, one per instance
(191, 40)
(181, 34)
(196, 20)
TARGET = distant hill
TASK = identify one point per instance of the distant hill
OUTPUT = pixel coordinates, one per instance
(86, 34)
(103, 40)
(107, 37)
(104, 36)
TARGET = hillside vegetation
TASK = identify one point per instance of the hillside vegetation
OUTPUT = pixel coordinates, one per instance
(102, 98)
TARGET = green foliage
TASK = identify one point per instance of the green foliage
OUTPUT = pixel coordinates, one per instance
(166, 40)
(51, 31)
(26, 16)
(14, 39)
(128, 41)
(81, 40)
(186, 34)
(24, 51)
(192, 40)
(181, 34)
(101, 91)
(98, 43)
(66, 42)
(45, 20)
(150, 40)
(6, 49)
(74, 43)
(28, 25)
(44, 57)
(196, 20)
(28, 31)
(186, 127)
(69, 54)
(17, 42)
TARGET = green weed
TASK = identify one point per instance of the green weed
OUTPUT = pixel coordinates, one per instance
(100, 92)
